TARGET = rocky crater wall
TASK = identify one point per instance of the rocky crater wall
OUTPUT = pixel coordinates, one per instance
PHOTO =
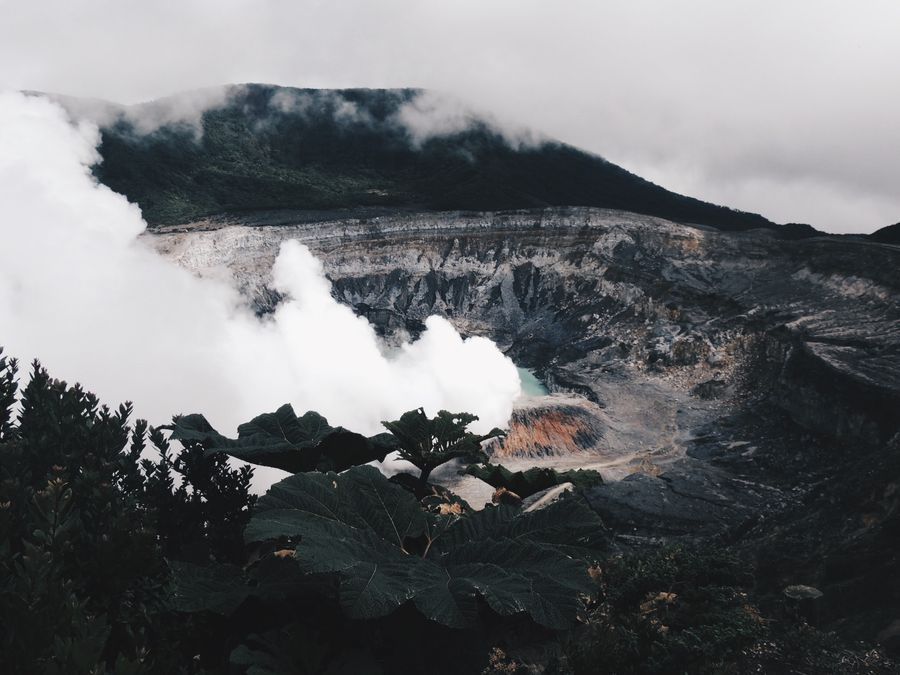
(588, 296)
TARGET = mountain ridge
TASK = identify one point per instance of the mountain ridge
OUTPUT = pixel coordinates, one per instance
(889, 234)
(263, 147)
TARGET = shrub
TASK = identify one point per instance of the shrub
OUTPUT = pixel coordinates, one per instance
(84, 526)
(675, 610)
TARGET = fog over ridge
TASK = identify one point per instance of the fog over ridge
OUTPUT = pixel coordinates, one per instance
(787, 109)
(423, 114)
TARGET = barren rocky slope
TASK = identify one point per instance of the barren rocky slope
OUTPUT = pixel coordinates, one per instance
(741, 386)
(580, 293)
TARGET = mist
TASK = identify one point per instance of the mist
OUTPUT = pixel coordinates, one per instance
(425, 115)
(184, 110)
(81, 291)
(787, 109)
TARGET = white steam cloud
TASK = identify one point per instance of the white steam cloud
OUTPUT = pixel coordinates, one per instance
(81, 291)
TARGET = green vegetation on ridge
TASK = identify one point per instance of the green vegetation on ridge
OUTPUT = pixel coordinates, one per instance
(278, 148)
(112, 562)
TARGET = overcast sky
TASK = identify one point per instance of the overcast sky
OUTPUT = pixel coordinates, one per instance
(787, 108)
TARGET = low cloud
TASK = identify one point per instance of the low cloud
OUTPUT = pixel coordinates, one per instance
(708, 98)
(432, 114)
(425, 115)
(182, 111)
(324, 101)
(80, 290)
(421, 115)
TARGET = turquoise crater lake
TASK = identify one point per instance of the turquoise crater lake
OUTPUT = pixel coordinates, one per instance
(531, 386)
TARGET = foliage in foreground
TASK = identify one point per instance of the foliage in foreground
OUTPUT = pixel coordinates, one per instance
(427, 443)
(112, 562)
(528, 482)
(85, 524)
(387, 550)
(285, 441)
(691, 609)
(675, 610)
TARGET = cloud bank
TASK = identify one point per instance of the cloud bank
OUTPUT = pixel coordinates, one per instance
(788, 109)
(81, 291)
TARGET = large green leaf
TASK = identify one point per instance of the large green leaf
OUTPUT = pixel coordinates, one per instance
(214, 588)
(568, 523)
(517, 576)
(285, 441)
(346, 505)
(526, 483)
(296, 649)
(355, 524)
(386, 550)
(222, 588)
(430, 442)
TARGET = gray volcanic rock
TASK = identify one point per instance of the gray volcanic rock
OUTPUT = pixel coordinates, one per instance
(690, 499)
(887, 235)
(545, 498)
(584, 295)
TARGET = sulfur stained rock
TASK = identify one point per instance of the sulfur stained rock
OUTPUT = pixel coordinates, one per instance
(551, 426)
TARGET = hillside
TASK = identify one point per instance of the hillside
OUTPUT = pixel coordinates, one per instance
(267, 147)
(887, 235)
